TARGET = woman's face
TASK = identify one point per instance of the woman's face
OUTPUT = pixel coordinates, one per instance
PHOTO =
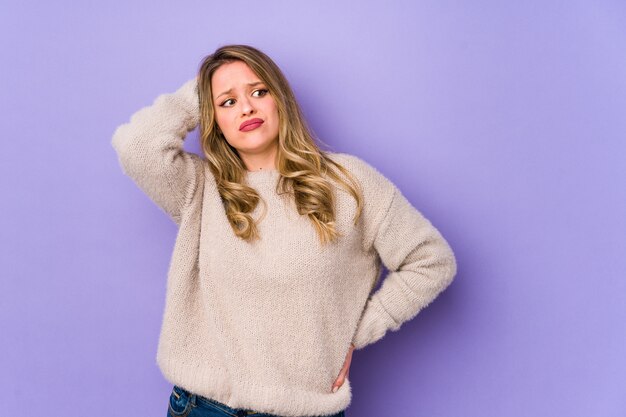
(240, 96)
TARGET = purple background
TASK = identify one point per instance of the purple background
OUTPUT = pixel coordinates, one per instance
(504, 123)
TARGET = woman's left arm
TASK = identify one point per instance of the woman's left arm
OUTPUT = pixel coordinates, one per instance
(421, 265)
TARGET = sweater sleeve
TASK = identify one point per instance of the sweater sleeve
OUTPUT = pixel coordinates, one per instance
(421, 264)
(150, 149)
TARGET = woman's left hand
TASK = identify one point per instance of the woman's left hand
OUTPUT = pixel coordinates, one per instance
(345, 371)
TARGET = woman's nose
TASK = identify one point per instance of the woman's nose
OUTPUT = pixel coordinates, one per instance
(246, 106)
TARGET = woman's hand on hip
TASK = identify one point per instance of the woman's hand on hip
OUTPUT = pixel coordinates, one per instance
(345, 371)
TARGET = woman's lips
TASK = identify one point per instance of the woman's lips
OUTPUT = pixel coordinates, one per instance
(250, 125)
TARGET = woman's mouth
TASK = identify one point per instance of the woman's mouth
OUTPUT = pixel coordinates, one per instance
(250, 125)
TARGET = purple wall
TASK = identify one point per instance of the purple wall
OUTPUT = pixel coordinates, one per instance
(503, 122)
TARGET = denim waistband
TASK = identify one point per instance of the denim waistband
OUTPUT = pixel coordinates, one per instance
(234, 411)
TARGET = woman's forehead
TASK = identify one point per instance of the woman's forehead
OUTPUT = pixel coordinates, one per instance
(233, 74)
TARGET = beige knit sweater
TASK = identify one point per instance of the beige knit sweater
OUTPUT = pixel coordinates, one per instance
(267, 326)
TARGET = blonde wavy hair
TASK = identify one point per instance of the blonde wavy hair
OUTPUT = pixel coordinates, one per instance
(300, 162)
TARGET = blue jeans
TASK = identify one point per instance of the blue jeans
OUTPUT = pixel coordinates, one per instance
(183, 403)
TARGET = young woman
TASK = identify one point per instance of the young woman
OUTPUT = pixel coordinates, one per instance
(280, 245)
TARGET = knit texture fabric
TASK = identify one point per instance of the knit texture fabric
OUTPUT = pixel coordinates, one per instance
(267, 325)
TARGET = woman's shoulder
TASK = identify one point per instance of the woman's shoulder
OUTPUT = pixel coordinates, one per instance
(373, 181)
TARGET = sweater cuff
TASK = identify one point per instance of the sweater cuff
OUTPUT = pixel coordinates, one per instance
(373, 325)
(187, 96)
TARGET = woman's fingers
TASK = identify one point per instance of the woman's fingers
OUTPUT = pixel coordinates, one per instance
(339, 380)
(345, 370)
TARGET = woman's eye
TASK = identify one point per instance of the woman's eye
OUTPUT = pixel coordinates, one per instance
(263, 92)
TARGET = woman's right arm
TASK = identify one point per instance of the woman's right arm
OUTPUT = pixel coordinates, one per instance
(150, 149)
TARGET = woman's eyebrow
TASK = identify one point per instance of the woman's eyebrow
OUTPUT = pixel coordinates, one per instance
(249, 84)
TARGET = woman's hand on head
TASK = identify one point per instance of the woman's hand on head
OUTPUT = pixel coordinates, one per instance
(345, 371)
